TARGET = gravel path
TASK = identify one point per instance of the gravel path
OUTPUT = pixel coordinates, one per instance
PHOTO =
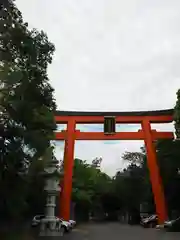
(116, 231)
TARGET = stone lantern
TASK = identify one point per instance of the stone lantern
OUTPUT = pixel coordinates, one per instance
(50, 226)
(178, 133)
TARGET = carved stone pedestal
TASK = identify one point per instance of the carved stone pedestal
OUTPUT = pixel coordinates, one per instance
(50, 228)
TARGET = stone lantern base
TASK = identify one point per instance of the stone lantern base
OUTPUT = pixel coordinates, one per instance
(50, 227)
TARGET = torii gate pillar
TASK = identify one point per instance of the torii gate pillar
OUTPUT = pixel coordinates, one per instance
(65, 196)
(155, 178)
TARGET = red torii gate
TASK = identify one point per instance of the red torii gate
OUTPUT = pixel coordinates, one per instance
(145, 118)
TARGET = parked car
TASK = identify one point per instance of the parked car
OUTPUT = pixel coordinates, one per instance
(73, 223)
(67, 226)
(149, 222)
(172, 225)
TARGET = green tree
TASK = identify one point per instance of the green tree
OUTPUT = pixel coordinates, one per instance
(26, 102)
(134, 182)
(89, 185)
(133, 157)
(168, 153)
(177, 115)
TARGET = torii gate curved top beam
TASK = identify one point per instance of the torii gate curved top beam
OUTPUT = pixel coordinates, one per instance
(159, 116)
(164, 112)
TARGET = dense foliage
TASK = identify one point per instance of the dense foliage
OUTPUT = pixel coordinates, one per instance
(89, 185)
(168, 155)
(26, 105)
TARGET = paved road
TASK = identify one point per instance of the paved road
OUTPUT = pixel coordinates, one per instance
(116, 231)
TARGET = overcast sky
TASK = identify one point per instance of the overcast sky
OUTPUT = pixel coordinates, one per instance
(110, 55)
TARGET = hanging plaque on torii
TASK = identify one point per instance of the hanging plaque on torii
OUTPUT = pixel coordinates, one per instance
(109, 125)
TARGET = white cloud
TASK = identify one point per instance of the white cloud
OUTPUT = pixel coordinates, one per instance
(110, 55)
